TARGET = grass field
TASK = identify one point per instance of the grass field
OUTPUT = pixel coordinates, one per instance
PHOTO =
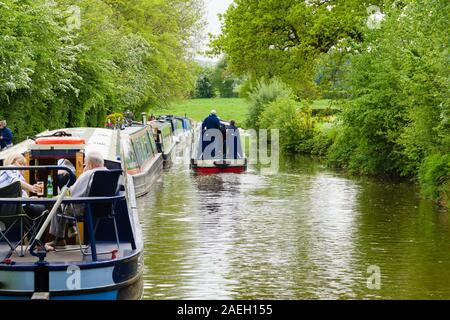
(199, 109)
(321, 104)
(227, 109)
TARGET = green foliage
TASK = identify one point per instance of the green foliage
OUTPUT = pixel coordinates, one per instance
(285, 39)
(56, 72)
(397, 85)
(265, 92)
(295, 124)
(197, 109)
(324, 136)
(245, 88)
(434, 176)
(225, 81)
(115, 117)
(204, 87)
(341, 151)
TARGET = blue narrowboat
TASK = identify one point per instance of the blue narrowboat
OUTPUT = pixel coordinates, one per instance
(218, 151)
(105, 259)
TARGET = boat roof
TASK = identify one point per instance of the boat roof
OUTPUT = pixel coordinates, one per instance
(159, 124)
(132, 130)
(100, 140)
(21, 148)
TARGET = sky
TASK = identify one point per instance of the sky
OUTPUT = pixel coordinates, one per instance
(213, 8)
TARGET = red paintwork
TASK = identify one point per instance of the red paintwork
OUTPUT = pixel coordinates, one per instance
(211, 170)
(59, 140)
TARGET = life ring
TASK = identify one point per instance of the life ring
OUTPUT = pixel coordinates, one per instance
(59, 140)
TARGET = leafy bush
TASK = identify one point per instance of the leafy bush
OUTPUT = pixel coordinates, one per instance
(244, 89)
(294, 123)
(265, 92)
(340, 153)
(434, 176)
(325, 135)
(224, 81)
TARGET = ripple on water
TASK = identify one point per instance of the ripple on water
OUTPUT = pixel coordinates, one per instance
(306, 233)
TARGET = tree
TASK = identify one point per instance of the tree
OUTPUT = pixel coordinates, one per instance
(224, 80)
(204, 88)
(119, 55)
(284, 39)
(396, 116)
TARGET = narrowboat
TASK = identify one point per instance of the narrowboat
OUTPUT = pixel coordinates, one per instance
(181, 126)
(224, 154)
(105, 260)
(164, 137)
(143, 161)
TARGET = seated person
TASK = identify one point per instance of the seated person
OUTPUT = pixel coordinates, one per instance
(10, 176)
(233, 143)
(93, 161)
(232, 125)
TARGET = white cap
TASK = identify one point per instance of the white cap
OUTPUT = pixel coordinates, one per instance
(213, 112)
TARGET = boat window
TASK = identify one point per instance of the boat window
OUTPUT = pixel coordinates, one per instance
(152, 142)
(143, 148)
(146, 143)
(166, 133)
(130, 156)
(139, 151)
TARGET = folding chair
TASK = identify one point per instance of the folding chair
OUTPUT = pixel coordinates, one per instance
(13, 214)
(104, 183)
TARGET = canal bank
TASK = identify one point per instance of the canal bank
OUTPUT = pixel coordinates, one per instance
(305, 233)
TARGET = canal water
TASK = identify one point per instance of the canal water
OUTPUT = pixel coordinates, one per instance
(306, 233)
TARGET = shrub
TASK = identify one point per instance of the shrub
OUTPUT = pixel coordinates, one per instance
(434, 176)
(265, 92)
(294, 123)
(321, 143)
(340, 153)
(244, 89)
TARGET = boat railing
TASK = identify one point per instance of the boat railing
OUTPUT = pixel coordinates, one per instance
(87, 201)
(56, 202)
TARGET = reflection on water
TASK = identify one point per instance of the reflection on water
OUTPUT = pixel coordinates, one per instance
(305, 233)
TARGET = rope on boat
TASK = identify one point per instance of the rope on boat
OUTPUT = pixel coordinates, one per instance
(56, 134)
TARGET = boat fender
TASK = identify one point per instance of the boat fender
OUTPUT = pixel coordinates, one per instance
(114, 254)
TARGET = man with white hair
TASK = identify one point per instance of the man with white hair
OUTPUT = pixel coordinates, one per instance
(211, 122)
(5, 136)
(93, 161)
